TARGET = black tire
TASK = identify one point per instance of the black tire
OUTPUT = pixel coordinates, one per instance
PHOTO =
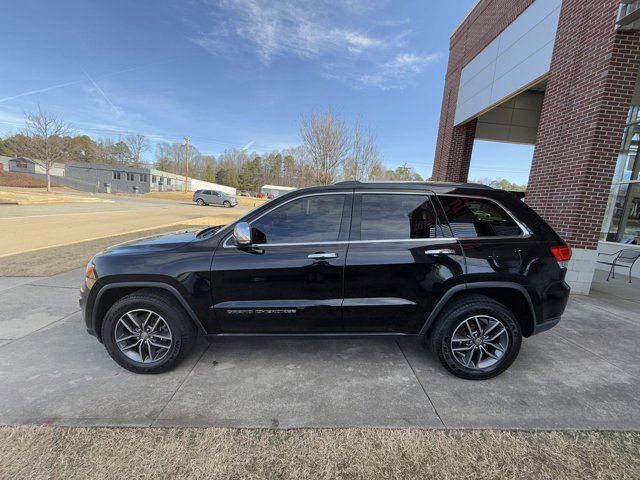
(200, 202)
(226, 203)
(181, 328)
(466, 307)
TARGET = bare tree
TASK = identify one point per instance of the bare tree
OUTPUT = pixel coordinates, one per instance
(46, 142)
(364, 155)
(326, 139)
(138, 144)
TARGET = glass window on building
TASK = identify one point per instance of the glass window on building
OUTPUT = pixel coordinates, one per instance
(143, 177)
(622, 220)
(154, 179)
(130, 177)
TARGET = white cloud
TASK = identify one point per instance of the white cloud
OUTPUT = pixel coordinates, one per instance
(393, 73)
(343, 36)
(302, 28)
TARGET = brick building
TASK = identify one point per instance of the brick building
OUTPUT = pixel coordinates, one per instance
(561, 75)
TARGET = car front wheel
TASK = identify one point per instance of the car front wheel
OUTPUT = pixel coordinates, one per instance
(147, 332)
(226, 203)
(476, 338)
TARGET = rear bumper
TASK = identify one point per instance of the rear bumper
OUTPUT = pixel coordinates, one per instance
(543, 327)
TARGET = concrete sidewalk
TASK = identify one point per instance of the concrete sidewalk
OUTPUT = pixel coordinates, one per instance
(584, 374)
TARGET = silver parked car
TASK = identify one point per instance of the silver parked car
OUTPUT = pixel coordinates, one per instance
(213, 197)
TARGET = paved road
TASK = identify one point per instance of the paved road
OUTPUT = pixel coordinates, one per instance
(584, 374)
(29, 227)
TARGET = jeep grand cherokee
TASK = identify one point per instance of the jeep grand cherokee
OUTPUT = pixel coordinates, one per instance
(471, 269)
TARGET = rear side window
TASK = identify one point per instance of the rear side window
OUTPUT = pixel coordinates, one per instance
(477, 217)
(397, 217)
(312, 219)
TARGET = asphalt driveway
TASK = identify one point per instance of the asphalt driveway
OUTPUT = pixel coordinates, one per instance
(584, 374)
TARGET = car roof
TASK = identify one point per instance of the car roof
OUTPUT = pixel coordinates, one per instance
(436, 187)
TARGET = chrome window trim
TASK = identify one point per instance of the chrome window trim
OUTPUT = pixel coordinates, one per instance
(349, 192)
(315, 194)
(526, 233)
(406, 192)
(347, 242)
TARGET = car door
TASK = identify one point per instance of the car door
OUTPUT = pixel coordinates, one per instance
(291, 279)
(206, 196)
(399, 262)
(497, 246)
(213, 197)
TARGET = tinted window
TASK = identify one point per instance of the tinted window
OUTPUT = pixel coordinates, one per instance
(477, 217)
(308, 219)
(397, 217)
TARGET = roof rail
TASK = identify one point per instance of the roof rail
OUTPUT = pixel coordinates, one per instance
(397, 182)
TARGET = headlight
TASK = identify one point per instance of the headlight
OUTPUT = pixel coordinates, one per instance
(90, 270)
(90, 275)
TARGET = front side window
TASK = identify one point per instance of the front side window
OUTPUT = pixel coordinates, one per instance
(397, 217)
(313, 219)
(477, 217)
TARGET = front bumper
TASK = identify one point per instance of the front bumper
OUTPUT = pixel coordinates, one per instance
(83, 302)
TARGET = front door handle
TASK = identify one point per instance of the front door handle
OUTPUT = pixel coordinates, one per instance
(322, 256)
(440, 251)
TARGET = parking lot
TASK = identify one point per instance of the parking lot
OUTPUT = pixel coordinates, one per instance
(584, 374)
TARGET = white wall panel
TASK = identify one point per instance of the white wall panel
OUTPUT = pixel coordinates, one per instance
(518, 56)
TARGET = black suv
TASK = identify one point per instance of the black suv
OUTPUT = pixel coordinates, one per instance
(469, 268)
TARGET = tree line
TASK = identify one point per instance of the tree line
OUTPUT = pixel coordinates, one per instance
(330, 150)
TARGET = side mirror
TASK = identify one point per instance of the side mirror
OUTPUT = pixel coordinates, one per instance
(242, 233)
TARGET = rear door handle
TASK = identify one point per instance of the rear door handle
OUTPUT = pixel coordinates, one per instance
(322, 256)
(440, 251)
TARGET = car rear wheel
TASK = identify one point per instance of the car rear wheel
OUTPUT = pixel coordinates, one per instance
(200, 202)
(226, 203)
(147, 332)
(476, 338)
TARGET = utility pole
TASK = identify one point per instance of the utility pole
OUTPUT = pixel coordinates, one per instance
(186, 175)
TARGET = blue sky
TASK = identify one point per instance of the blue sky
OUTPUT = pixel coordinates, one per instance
(240, 73)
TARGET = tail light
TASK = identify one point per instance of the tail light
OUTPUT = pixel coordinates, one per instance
(562, 254)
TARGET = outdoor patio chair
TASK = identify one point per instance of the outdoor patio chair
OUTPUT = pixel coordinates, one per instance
(625, 258)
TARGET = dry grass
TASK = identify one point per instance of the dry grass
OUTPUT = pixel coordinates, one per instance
(44, 263)
(38, 196)
(56, 452)
(13, 179)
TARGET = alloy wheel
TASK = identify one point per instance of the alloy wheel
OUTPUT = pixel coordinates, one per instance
(143, 336)
(479, 342)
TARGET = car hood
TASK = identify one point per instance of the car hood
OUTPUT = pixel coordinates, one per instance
(155, 243)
